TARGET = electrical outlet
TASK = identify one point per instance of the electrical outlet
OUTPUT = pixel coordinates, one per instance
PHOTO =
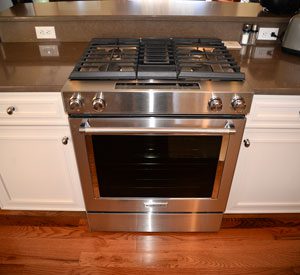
(266, 33)
(45, 32)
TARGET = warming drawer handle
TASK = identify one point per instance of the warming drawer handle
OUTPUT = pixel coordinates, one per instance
(173, 130)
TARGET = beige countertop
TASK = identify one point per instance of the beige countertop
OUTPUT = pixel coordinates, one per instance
(27, 67)
(140, 9)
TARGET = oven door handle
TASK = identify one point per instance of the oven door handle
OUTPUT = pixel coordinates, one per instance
(159, 131)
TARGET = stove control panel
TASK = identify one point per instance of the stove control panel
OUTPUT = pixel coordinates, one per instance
(162, 102)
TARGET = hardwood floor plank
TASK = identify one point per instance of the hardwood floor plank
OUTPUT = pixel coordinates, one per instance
(82, 232)
(273, 247)
(211, 256)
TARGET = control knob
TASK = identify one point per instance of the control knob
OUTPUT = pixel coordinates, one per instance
(75, 102)
(99, 104)
(238, 103)
(215, 104)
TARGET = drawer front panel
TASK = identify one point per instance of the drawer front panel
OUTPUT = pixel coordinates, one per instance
(32, 109)
(274, 112)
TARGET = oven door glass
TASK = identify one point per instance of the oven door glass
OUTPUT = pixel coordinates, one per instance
(156, 166)
(158, 158)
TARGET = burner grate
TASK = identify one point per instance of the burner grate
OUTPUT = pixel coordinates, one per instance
(108, 59)
(157, 59)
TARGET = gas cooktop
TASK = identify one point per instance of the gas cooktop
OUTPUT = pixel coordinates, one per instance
(151, 58)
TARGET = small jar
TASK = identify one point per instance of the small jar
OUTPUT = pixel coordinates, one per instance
(246, 34)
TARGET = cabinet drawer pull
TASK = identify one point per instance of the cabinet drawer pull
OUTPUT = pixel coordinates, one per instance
(247, 142)
(10, 110)
(65, 140)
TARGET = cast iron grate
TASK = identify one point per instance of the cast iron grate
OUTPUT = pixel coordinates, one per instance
(151, 58)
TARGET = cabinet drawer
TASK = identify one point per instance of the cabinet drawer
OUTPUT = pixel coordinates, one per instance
(274, 112)
(32, 109)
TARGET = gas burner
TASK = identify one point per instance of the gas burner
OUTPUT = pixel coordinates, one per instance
(116, 53)
(121, 67)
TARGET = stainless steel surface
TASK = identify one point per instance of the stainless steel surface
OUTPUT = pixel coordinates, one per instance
(159, 101)
(209, 108)
(155, 222)
(215, 104)
(65, 140)
(247, 143)
(238, 104)
(10, 110)
(227, 160)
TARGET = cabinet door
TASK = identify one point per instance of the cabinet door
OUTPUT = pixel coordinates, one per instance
(37, 171)
(267, 176)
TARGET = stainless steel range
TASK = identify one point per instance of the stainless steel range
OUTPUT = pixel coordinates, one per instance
(157, 125)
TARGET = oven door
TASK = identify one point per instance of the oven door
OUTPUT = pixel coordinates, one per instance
(156, 164)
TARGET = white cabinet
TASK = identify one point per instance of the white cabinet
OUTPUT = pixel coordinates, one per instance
(37, 171)
(267, 176)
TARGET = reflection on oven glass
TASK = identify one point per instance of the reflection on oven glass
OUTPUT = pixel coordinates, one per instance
(156, 166)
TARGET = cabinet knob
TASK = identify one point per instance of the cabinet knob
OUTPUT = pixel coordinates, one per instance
(65, 140)
(247, 142)
(10, 110)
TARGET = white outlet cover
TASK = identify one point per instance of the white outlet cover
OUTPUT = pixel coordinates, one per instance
(45, 32)
(265, 33)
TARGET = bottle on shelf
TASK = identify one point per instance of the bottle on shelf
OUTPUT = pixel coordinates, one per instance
(246, 34)
(253, 35)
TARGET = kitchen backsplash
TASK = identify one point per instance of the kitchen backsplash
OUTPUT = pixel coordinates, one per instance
(120, 18)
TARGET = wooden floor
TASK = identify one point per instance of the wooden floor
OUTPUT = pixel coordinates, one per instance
(60, 243)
